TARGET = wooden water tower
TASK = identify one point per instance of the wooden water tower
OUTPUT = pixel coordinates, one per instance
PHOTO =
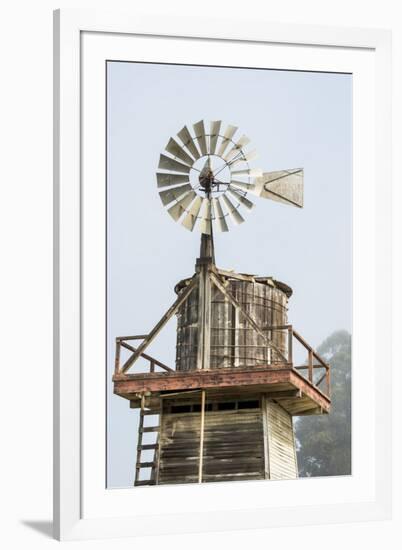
(226, 411)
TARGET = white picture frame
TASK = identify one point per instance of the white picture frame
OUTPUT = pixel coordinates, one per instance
(83, 508)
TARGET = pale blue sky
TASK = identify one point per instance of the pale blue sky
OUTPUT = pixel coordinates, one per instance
(294, 119)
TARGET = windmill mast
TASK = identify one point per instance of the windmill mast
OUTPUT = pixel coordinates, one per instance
(203, 267)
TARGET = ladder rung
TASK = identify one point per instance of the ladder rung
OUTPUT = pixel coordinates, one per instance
(146, 413)
(147, 447)
(145, 482)
(145, 465)
(150, 429)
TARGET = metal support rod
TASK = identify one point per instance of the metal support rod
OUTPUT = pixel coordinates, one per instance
(201, 460)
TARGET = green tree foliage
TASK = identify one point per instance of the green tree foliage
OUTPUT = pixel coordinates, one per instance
(324, 441)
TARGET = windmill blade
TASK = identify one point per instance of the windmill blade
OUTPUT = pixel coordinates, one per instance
(252, 172)
(233, 212)
(167, 180)
(237, 147)
(213, 139)
(190, 219)
(285, 186)
(249, 187)
(227, 139)
(188, 141)
(173, 194)
(244, 157)
(218, 215)
(200, 136)
(242, 200)
(166, 163)
(177, 151)
(178, 209)
(206, 220)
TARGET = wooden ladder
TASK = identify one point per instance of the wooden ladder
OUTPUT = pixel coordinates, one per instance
(147, 447)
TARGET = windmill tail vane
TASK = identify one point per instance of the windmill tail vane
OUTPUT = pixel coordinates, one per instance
(205, 178)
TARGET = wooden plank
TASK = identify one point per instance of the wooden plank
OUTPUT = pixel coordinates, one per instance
(310, 366)
(282, 462)
(265, 434)
(232, 448)
(147, 447)
(157, 455)
(200, 324)
(309, 348)
(137, 337)
(145, 465)
(139, 451)
(147, 357)
(283, 394)
(238, 276)
(200, 379)
(236, 304)
(204, 317)
(314, 393)
(235, 380)
(117, 358)
(202, 425)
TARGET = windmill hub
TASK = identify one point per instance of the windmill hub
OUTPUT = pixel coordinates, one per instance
(207, 181)
(209, 177)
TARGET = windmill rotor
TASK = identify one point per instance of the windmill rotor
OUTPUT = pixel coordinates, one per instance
(205, 180)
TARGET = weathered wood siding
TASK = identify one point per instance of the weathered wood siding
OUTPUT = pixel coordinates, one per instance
(282, 463)
(187, 334)
(233, 446)
(179, 448)
(233, 341)
(240, 444)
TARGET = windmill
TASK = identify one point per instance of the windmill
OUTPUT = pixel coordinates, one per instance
(225, 412)
(206, 197)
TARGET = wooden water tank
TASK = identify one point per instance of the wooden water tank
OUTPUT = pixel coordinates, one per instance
(234, 343)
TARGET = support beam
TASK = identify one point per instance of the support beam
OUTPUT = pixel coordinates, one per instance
(152, 360)
(218, 283)
(158, 327)
(204, 315)
(201, 460)
(262, 379)
(265, 432)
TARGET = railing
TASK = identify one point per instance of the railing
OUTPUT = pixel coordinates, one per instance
(121, 342)
(281, 353)
(314, 361)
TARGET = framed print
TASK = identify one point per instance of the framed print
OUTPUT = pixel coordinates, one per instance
(222, 275)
